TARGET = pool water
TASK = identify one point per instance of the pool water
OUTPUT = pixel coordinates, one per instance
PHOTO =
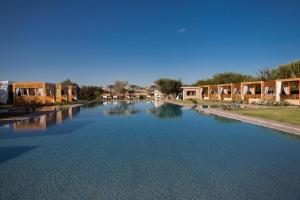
(145, 151)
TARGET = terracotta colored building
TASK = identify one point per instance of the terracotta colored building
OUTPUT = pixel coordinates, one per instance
(26, 93)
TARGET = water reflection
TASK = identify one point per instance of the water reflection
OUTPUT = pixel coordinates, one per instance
(225, 120)
(93, 104)
(42, 122)
(121, 109)
(165, 111)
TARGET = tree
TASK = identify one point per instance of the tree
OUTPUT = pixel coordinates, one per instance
(169, 86)
(67, 82)
(222, 78)
(90, 92)
(120, 86)
(291, 70)
(264, 74)
(167, 111)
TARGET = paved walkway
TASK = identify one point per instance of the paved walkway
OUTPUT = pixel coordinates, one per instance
(289, 128)
(254, 120)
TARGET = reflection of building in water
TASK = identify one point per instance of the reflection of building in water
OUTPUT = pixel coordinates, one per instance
(43, 121)
(122, 108)
(36, 123)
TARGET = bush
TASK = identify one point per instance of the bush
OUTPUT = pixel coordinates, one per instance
(194, 101)
(271, 103)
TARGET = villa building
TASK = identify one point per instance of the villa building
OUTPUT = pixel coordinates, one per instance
(42, 93)
(255, 91)
(288, 90)
(258, 91)
(208, 92)
(225, 92)
(236, 91)
(190, 93)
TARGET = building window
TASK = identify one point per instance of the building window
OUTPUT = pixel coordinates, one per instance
(191, 93)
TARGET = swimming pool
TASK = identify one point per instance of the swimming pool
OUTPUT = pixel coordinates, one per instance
(145, 151)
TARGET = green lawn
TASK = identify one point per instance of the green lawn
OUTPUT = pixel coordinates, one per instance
(202, 102)
(282, 114)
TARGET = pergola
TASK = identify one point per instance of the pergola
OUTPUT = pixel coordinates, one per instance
(42, 93)
(258, 90)
(33, 93)
(288, 90)
(269, 90)
(251, 90)
(208, 92)
(236, 91)
(225, 91)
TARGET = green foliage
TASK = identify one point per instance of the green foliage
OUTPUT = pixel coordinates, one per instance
(69, 82)
(194, 101)
(90, 92)
(290, 70)
(271, 103)
(226, 77)
(265, 74)
(119, 86)
(169, 86)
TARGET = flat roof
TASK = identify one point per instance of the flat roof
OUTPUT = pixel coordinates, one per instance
(252, 82)
(208, 85)
(288, 79)
(226, 84)
(189, 87)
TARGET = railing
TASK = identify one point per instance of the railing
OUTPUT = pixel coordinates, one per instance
(214, 97)
(289, 96)
(50, 99)
(269, 97)
(236, 96)
(29, 100)
(226, 95)
(252, 96)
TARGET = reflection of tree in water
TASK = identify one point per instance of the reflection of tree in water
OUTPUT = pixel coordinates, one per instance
(225, 120)
(220, 119)
(92, 105)
(122, 108)
(166, 111)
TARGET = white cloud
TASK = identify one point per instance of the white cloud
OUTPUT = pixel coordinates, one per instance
(181, 30)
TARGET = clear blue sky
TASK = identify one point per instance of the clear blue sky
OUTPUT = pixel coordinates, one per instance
(98, 42)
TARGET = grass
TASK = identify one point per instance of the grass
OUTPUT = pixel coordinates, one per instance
(201, 102)
(282, 114)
